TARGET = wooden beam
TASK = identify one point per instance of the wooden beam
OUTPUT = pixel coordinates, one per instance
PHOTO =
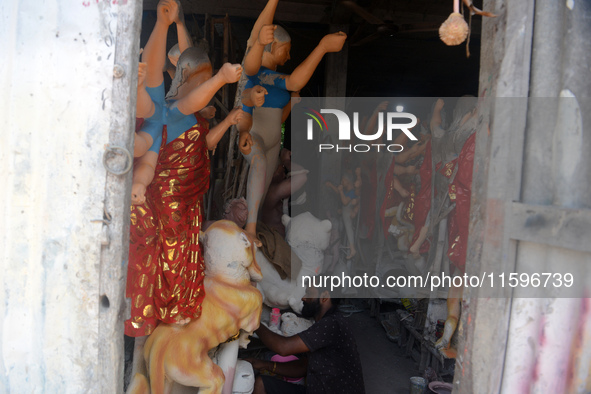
(288, 11)
(561, 227)
(335, 91)
(335, 84)
(113, 305)
(316, 11)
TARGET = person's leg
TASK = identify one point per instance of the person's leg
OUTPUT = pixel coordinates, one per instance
(276, 385)
(272, 156)
(266, 137)
(259, 386)
(255, 187)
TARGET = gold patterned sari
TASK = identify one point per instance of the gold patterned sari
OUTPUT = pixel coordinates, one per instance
(166, 269)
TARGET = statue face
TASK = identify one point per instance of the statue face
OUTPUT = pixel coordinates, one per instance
(194, 80)
(237, 212)
(280, 52)
(201, 76)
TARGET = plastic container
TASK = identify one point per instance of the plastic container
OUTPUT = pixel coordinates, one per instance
(275, 320)
(441, 387)
(418, 385)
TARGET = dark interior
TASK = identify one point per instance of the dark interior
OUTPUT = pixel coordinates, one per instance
(394, 49)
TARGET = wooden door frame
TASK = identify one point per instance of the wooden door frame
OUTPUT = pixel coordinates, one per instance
(113, 308)
(505, 64)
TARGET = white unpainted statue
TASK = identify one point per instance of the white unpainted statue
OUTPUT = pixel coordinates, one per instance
(293, 325)
(308, 238)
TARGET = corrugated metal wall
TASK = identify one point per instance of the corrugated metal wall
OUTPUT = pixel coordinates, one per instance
(549, 347)
(532, 166)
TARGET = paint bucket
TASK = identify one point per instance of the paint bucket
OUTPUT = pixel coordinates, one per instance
(418, 385)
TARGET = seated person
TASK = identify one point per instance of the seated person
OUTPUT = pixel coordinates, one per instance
(331, 362)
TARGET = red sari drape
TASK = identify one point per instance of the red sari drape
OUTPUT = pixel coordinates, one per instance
(166, 268)
(459, 191)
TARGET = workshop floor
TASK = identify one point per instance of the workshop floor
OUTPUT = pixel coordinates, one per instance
(386, 370)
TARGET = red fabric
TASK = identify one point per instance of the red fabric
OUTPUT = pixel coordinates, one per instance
(408, 214)
(422, 203)
(459, 218)
(166, 268)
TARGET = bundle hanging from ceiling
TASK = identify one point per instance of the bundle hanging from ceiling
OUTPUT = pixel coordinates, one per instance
(455, 30)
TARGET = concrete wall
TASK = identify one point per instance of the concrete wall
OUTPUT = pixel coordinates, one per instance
(55, 120)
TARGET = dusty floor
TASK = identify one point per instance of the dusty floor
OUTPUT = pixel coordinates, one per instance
(386, 370)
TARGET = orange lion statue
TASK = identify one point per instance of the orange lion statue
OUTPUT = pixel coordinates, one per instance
(231, 311)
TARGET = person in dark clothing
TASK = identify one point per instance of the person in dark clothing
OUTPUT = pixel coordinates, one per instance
(330, 360)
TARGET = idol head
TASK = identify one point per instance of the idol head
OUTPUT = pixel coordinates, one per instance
(192, 69)
(318, 300)
(278, 51)
(466, 108)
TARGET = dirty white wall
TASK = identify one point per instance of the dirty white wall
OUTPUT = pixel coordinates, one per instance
(55, 118)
